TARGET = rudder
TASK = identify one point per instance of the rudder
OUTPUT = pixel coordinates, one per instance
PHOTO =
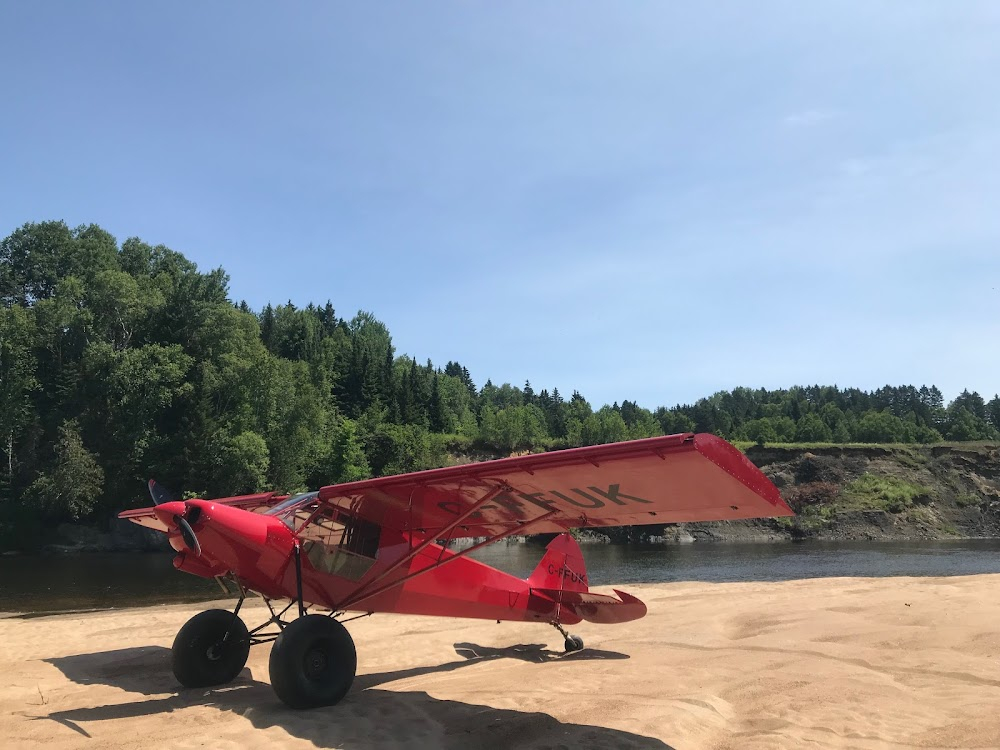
(562, 567)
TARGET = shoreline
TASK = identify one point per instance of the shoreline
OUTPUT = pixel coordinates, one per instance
(254, 601)
(705, 534)
(37, 585)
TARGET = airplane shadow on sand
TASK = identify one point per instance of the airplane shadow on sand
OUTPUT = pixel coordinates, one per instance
(367, 718)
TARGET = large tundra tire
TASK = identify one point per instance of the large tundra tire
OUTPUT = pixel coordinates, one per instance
(204, 655)
(313, 662)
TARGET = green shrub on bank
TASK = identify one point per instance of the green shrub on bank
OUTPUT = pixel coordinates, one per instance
(871, 492)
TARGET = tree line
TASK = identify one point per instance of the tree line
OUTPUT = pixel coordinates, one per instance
(123, 361)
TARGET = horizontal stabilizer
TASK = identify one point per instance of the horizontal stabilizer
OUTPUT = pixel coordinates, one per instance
(599, 608)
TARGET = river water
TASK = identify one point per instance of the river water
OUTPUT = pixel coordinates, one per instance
(73, 582)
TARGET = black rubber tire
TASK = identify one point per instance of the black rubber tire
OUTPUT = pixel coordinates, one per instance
(313, 662)
(201, 658)
(573, 643)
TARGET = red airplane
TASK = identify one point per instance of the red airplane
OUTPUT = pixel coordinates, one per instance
(381, 545)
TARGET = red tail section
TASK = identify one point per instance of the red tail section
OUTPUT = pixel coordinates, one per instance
(562, 567)
(561, 577)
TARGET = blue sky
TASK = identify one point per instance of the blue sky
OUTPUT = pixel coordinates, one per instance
(650, 201)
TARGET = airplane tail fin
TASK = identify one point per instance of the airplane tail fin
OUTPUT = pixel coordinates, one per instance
(562, 568)
(561, 579)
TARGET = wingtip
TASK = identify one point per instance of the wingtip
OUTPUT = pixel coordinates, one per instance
(732, 460)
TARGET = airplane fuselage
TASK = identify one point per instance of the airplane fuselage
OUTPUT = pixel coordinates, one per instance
(259, 550)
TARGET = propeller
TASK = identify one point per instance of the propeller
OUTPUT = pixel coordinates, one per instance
(187, 534)
(161, 495)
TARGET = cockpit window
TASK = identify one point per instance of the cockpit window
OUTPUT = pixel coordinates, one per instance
(333, 540)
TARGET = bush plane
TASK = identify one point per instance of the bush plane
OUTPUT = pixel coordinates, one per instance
(383, 545)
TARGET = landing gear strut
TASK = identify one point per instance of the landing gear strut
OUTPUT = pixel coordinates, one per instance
(572, 642)
(312, 663)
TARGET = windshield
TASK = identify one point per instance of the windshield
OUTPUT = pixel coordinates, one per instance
(293, 502)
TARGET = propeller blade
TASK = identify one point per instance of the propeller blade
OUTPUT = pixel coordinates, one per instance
(159, 493)
(188, 535)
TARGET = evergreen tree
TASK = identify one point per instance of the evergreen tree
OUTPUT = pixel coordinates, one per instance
(328, 319)
(438, 417)
(529, 393)
(971, 402)
(993, 412)
(467, 379)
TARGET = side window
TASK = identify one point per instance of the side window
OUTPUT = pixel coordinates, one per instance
(337, 543)
(361, 537)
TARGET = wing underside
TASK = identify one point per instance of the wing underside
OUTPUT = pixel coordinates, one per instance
(671, 479)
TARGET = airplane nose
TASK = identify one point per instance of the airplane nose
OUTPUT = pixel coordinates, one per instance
(166, 512)
(175, 515)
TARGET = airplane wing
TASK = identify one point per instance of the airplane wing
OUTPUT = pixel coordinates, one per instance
(255, 503)
(671, 479)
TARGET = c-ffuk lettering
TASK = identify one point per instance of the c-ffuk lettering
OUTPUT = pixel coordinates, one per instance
(517, 504)
(563, 572)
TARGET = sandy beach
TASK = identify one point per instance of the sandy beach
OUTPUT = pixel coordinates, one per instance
(846, 662)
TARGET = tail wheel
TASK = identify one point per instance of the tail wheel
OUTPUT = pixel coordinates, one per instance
(313, 662)
(573, 643)
(210, 649)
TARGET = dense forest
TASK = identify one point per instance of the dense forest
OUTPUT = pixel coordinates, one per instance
(121, 362)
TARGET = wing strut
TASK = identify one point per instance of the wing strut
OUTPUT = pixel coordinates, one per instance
(414, 551)
(360, 593)
(298, 578)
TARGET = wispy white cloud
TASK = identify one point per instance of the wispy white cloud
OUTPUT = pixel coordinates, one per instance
(809, 117)
(855, 166)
